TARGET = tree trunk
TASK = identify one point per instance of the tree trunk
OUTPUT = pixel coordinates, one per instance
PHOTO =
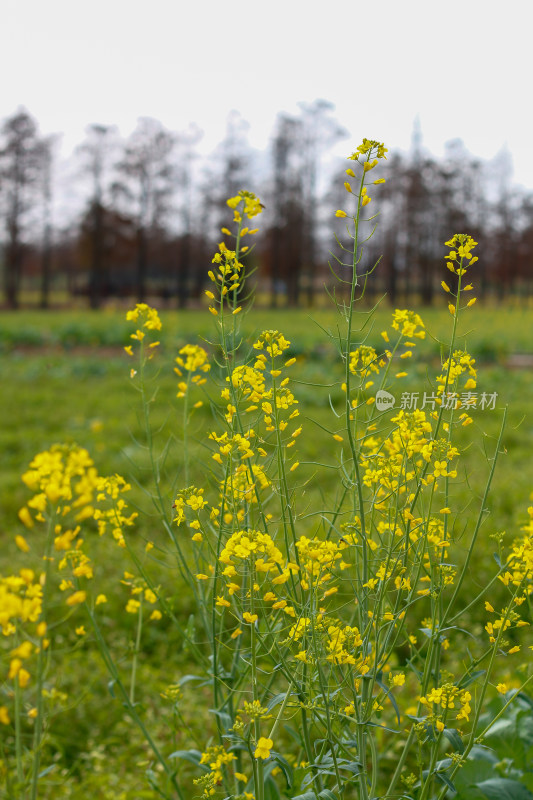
(142, 260)
(95, 281)
(12, 269)
(46, 265)
(184, 269)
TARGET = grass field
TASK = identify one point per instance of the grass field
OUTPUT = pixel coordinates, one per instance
(493, 331)
(65, 378)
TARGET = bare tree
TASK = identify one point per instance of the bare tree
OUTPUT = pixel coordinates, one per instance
(186, 142)
(227, 172)
(235, 160)
(297, 151)
(525, 246)
(146, 186)
(320, 131)
(19, 172)
(45, 154)
(285, 235)
(97, 152)
(504, 215)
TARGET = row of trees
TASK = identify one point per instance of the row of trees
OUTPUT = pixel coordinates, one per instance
(150, 207)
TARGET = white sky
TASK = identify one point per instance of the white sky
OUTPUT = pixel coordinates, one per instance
(462, 66)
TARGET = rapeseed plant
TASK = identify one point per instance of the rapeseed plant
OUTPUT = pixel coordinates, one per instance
(330, 640)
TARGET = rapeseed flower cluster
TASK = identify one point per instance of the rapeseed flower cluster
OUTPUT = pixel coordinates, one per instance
(62, 478)
(250, 544)
(458, 260)
(193, 361)
(229, 273)
(409, 324)
(111, 514)
(149, 320)
(147, 315)
(215, 758)
(461, 245)
(21, 609)
(367, 155)
(446, 697)
(20, 600)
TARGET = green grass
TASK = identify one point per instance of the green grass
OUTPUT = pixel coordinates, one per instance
(493, 332)
(66, 378)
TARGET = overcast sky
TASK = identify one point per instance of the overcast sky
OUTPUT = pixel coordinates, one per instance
(462, 66)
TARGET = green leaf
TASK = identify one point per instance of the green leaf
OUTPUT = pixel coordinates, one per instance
(193, 756)
(224, 718)
(271, 790)
(443, 778)
(527, 780)
(390, 696)
(294, 734)
(351, 766)
(473, 772)
(188, 678)
(454, 738)
(528, 700)
(470, 678)
(504, 789)
(276, 700)
(47, 771)
(524, 726)
(440, 767)
(285, 768)
(152, 780)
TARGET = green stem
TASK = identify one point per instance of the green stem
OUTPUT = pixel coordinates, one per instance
(478, 524)
(38, 729)
(110, 664)
(18, 733)
(136, 653)
(186, 430)
(361, 728)
(473, 738)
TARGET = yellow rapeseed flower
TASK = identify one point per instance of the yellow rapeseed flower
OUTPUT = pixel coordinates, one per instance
(132, 606)
(76, 598)
(264, 746)
(22, 544)
(26, 519)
